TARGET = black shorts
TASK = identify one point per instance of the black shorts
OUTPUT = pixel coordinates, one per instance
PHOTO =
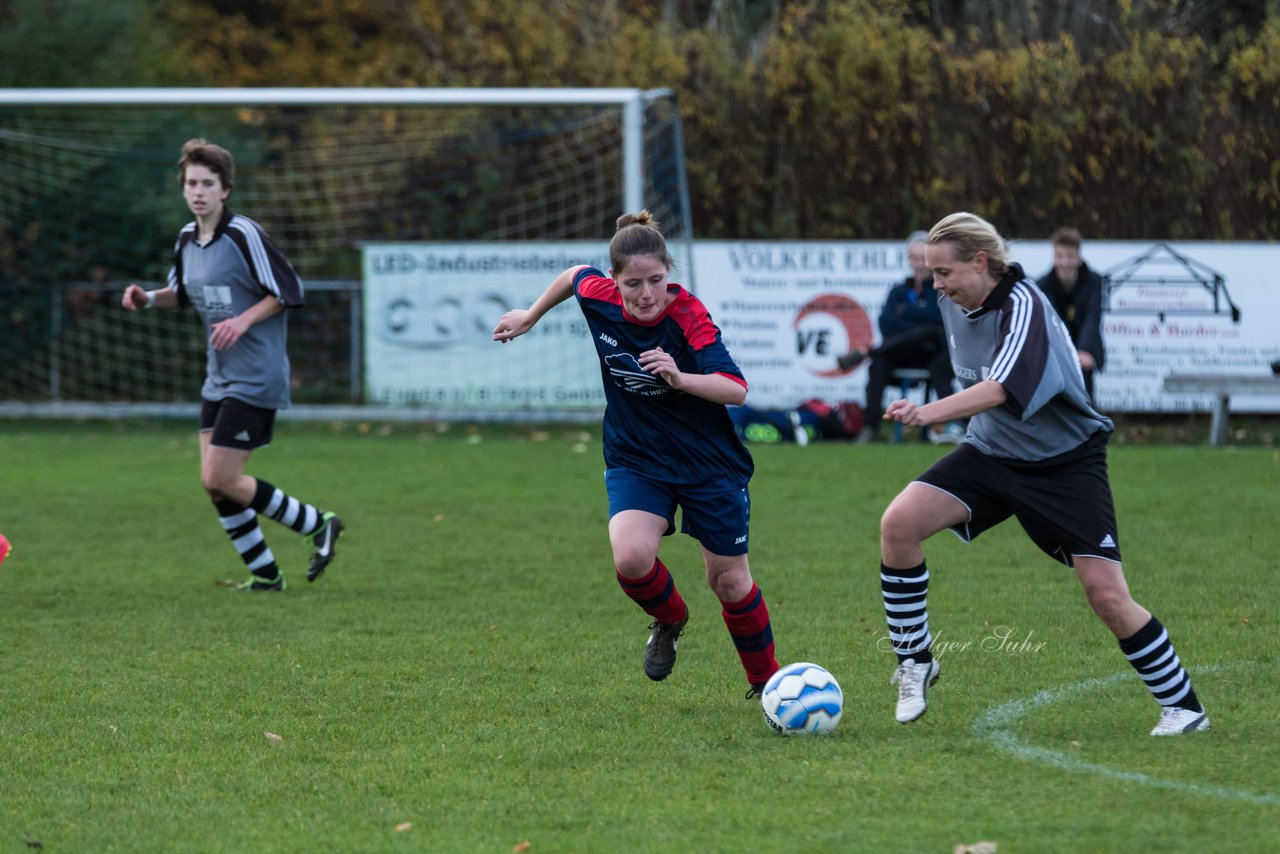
(1064, 503)
(236, 424)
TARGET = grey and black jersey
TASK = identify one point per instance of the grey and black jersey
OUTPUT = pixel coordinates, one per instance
(1017, 339)
(224, 278)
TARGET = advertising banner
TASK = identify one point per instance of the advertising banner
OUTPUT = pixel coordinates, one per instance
(788, 310)
(429, 313)
(1181, 308)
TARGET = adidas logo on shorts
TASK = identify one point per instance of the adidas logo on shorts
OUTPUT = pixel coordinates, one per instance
(243, 436)
(1108, 542)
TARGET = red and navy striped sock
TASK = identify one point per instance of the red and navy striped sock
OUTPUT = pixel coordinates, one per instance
(752, 633)
(656, 593)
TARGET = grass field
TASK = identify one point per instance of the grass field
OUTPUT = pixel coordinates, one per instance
(467, 675)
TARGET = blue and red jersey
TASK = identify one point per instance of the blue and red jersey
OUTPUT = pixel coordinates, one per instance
(663, 434)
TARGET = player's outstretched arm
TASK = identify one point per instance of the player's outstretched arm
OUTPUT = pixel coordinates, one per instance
(985, 395)
(136, 298)
(518, 321)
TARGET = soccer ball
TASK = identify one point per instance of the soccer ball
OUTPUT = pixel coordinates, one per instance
(802, 699)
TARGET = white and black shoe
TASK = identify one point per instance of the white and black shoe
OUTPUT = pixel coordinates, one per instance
(323, 544)
(913, 686)
(952, 434)
(1175, 720)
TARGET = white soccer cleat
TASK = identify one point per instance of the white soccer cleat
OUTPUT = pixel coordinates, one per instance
(952, 434)
(1175, 720)
(913, 685)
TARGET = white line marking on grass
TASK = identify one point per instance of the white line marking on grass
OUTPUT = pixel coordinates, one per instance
(995, 726)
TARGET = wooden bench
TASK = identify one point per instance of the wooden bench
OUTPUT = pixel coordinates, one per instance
(1222, 386)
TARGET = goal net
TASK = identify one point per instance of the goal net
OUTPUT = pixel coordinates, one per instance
(89, 202)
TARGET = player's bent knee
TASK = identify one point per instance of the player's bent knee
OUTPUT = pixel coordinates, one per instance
(899, 528)
(729, 577)
(1109, 602)
(634, 563)
(732, 585)
(219, 488)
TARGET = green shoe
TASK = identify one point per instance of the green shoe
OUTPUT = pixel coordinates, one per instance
(256, 584)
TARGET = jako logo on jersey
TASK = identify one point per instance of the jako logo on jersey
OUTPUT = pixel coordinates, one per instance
(627, 374)
(606, 339)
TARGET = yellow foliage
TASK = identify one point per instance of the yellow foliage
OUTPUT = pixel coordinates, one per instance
(838, 119)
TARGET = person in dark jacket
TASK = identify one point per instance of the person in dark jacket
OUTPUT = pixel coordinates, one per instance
(911, 337)
(1076, 294)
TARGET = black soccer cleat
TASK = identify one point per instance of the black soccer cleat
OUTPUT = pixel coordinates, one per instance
(756, 691)
(324, 543)
(660, 652)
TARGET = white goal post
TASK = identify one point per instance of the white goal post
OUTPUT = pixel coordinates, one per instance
(88, 202)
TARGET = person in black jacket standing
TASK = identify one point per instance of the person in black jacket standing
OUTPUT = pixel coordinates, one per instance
(1076, 294)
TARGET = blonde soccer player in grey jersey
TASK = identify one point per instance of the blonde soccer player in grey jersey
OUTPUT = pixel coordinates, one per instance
(1035, 449)
(227, 266)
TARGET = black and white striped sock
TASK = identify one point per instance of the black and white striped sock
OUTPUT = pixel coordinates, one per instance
(281, 507)
(1151, 653)
(905, 592)
(241, 525)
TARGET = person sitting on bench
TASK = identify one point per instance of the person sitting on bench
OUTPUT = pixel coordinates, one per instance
(911, 337)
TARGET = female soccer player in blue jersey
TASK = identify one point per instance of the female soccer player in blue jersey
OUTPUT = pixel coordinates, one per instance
(668, 440)
(1036, 449)
(240, 282)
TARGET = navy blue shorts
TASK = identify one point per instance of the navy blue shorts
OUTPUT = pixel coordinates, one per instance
(236, 424)
(719, 519)
(1064, 503)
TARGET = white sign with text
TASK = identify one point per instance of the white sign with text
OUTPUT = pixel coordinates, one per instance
(429, 313)
(787, 310)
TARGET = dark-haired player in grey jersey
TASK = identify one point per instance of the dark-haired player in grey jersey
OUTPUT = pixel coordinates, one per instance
(1035, 450)
(240, 282)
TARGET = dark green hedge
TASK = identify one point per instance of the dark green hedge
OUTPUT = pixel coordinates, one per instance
(853, 123)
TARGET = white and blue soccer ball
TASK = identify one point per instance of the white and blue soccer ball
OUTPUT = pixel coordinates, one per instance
(802, 699)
